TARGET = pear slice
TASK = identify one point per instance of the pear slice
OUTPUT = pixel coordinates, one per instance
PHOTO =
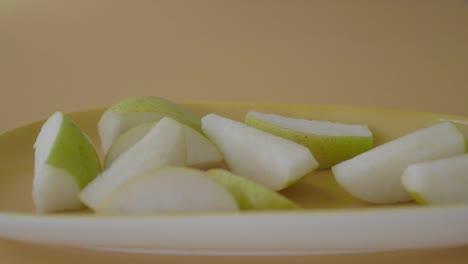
(169, 190)
(163, 145)
(375, 176)
(65, 162)
(135, 111)
(442, 181)
(125, 141)
(200, 152)
(250, 195)
(264, 158)
(331, 143)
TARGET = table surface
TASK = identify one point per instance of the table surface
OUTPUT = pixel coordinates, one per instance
(68, 56)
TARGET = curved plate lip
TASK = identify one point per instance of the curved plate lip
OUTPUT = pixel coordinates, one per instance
(369, 231)
(237, 252)
(266, 213)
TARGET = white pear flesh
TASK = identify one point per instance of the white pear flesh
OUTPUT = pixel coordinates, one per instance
(55, 190)
(138, 110)
(65, 161)
(200, 152)
(442, 181)
(375, 176)
(169, 190)
(125, 142)
(264, 158)
(163, 145)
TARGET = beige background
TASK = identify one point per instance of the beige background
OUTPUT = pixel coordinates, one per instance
(72, 55)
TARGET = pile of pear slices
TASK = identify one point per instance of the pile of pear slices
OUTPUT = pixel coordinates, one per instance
(161, 158)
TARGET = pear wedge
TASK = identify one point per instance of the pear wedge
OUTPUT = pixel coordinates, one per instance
(163, 145)
(135, 111)
(65, 162)
(264, 158)
(169, 190)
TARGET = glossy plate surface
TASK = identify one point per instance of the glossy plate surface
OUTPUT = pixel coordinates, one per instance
(334, 222)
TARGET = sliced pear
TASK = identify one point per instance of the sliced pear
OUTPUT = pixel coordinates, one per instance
(201, 153)
(65, 162)
(169, 190)
(135, 111)
(330, 142)
(442, 181)
(375, 176)
(125, 141)
(250, 195)
(163, 145)
(264, 158)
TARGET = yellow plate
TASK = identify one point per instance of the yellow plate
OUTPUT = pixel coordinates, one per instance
(335, 222)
